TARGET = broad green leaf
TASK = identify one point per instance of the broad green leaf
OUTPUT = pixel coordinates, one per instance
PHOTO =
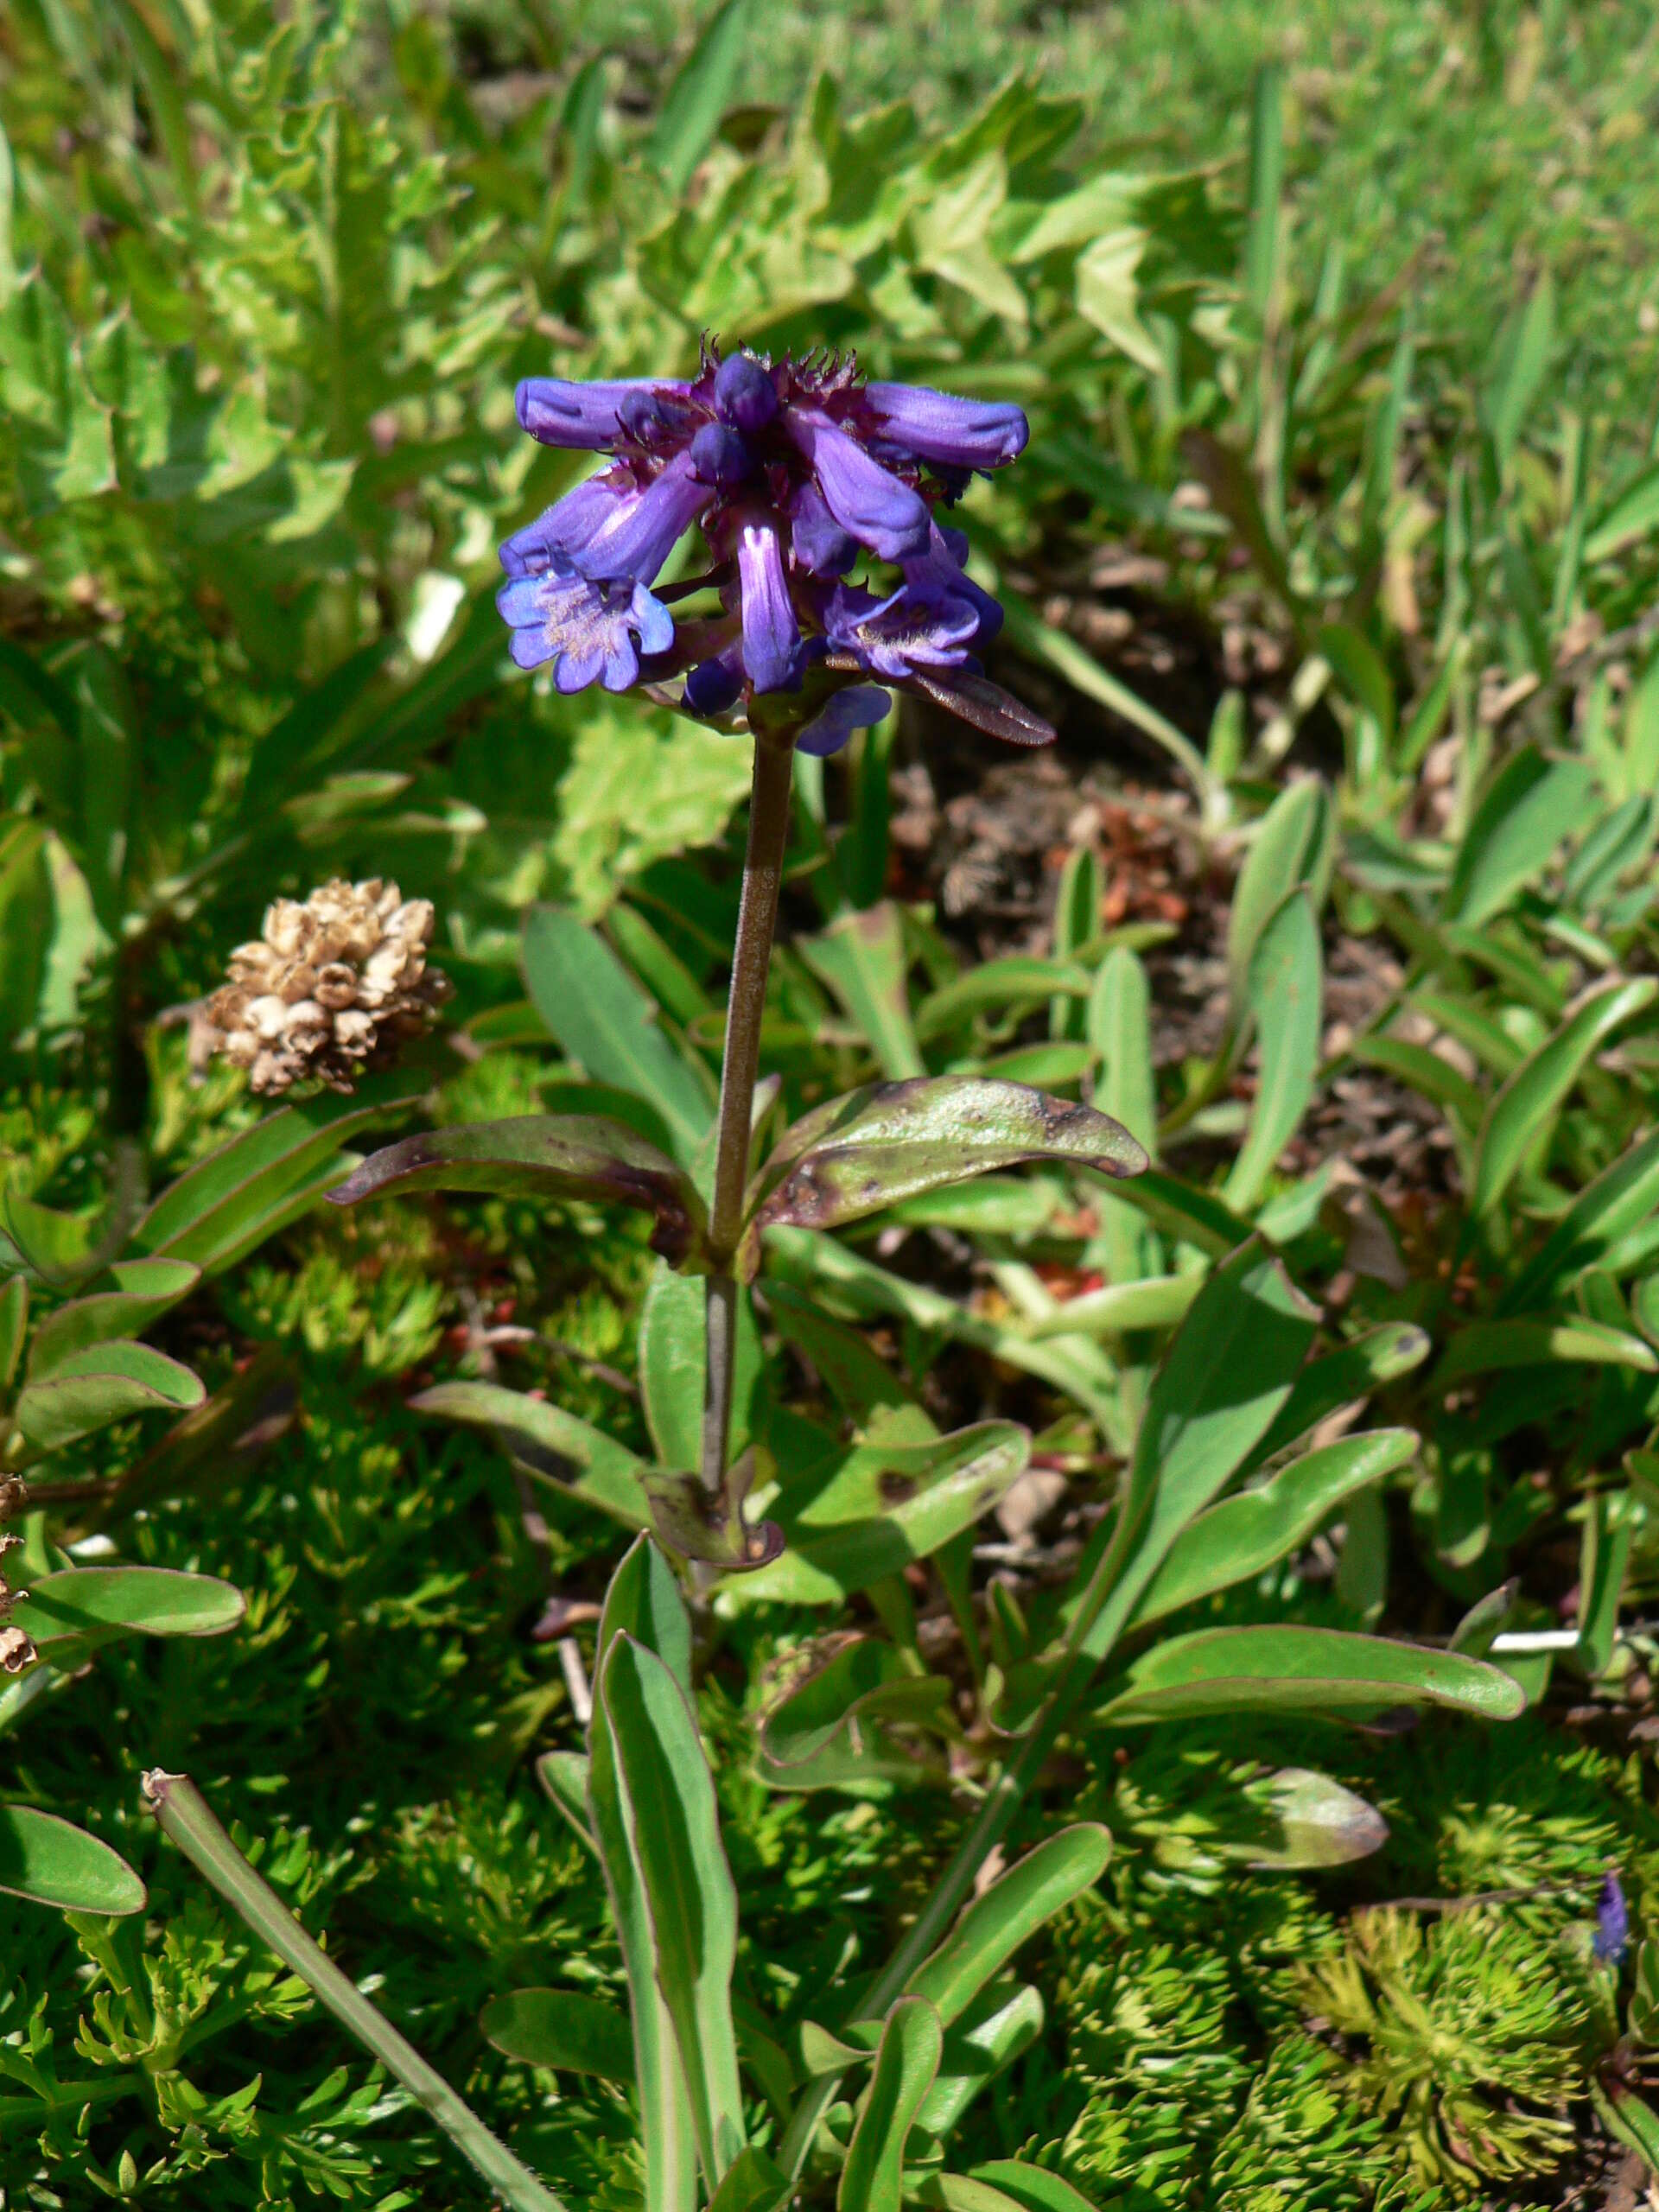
(49, 1861)
(96, 1601)
(893, 1140)
(1119, 1028)
(986, 2039)
(1291, 851)
(1008, 1914)
(714, 1527)
(217, 1210)
(691, 110)
(906, 2061)
(1529, 808)
(52, 1245)
(1245, 1535)
(1307, 1819)
(562, 2029)
(145, 1290)
(542, 1156)
(1016, 981)
(668, 2132)
(89, 1390)
(879, 1506)
(1002, 2185)
(753, 2183)
(1485, 1346)
(607, 1022)
(863, 1681)
(1225, 1378)
(1284, 994)
(1313, 1670)
(862, 958)
(674, 1828)
(1525, 1101)
(991, 1206)
(550, 1442)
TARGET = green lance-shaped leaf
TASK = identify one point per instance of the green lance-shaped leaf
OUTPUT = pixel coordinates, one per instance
(103, 1601)
(1243, 1536)
(1288, 1669)
(1619, 1200)
(674, 1831)
(862, 958)
(542, 1156)
(1008, 1914)
(145, 1290)
(984, 2041)
(1531, 805)
(91, 1388)
(673, 1331)
(860, 1153)
(1304, 1820)
(562, 2029)
(1225, 1378)
(754, 2183)
(884, 1505)
(906, 2061)
(1283, 993)
(1001, 987)
(548, 1442)
(1154, 1302)
(864, 1680)
(1526, 1103)
(50, 1861)
(690, 113)
(563, 1774)
(643, 1601)
(1030, 2189)
(667, 2130)
(604, 1020)
(14, 1325)
(1119, 1027)
(1291, 851)
(1486, 1346)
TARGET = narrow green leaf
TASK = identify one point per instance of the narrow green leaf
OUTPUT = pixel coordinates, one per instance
(1485, 1347)
(1528, 809)
(984, 2041)
(1539, 1086)
(1520, 359)
(145, 1289)
(606, 1021)
(1008, 1914)
(1155, 1302)
(673, 1329)
(1291, 851)
(13, 1324)
(561, 2028)
(674, 1828)
(1031, 2188)
(89, 1390)
(692, 110)
(49, 1861)
(906, 2060)
(1344, 1377)
(542, 1156)
(862, 1680)
(139, 1601)
(1119, 1027)
(998, 986)
(1629, 516)
(862, 958)
(550, 1442)
(1267, 176)
(1284, 995)
(1314, 1670)
(563, 1774)
(1243, 1536)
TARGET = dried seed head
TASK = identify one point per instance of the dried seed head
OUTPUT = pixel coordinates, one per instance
(16, 1650)
(331, 989)
(17, 1647)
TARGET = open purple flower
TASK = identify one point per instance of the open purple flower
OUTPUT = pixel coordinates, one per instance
(791, 470)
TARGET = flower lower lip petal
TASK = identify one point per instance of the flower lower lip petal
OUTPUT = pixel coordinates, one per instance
(872, 506)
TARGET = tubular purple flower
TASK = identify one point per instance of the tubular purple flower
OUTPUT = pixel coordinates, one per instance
(894, 637)
(874, 507)
(820, 546)
(591, 631)
(745, 394)
(560, 412)
(565, 527)
(860, 707)
(772, 633)
(941, 571)
(639, 535)
(957, 432)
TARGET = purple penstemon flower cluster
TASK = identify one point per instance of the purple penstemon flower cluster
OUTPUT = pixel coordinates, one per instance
(795, 472)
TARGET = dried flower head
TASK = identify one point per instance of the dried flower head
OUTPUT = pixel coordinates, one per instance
(332, 989)
(17, 1646)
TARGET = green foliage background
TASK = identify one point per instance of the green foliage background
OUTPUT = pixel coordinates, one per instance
(266, 282)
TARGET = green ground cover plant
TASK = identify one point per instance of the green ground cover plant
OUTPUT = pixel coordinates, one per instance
(1334, 540)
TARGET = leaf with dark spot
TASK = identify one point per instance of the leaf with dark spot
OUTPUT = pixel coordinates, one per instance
(893, 1140)
(976, 699)
(542, 1156)
(710, 1525)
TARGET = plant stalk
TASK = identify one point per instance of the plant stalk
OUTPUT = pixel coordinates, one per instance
(757, 919)
(185, 1816)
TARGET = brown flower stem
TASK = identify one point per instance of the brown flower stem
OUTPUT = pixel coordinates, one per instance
(757, 917)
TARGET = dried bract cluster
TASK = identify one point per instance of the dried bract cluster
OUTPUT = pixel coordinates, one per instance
(332, 989)
(17, 1647)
